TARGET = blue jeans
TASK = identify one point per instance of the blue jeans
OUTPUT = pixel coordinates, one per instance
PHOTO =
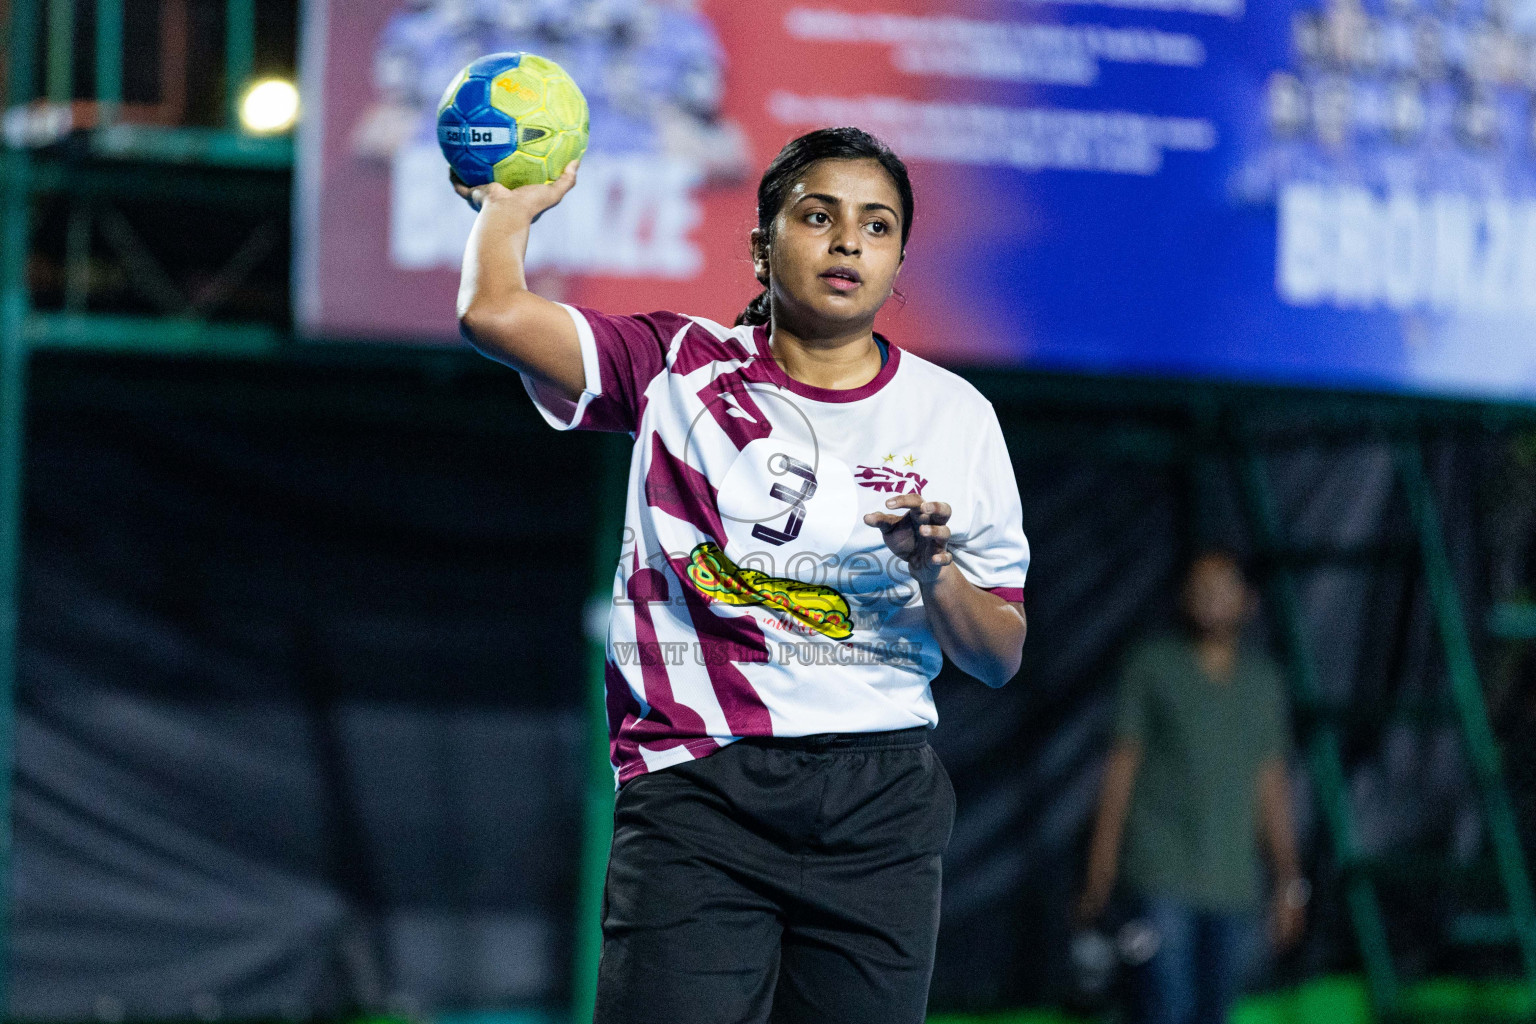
(1197, 972)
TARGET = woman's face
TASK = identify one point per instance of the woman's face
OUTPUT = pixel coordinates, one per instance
(835, 248)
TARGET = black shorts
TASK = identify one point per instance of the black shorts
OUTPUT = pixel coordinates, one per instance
(781, 880)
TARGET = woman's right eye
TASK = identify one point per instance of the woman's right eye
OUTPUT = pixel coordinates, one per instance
(815, 214)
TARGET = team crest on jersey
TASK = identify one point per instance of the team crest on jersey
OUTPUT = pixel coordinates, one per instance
(892, 476)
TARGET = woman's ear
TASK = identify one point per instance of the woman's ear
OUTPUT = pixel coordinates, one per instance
(760, 255)
(758, 241)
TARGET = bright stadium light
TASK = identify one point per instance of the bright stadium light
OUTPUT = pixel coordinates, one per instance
(269, 107)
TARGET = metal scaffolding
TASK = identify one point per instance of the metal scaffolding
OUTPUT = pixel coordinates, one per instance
(28, 171)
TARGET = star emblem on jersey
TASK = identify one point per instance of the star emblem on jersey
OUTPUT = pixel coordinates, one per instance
(888, 479)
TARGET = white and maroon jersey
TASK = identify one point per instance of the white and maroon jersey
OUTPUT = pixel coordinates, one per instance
(750, 598)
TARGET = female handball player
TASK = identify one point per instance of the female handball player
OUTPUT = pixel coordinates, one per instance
(814, 519)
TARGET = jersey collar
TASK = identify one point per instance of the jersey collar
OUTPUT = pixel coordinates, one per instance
(777, 375)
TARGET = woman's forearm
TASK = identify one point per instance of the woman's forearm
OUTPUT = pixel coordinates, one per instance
(498, 315)
(492, 275)
(978, 631)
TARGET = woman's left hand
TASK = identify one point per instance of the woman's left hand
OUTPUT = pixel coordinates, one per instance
(915, 531)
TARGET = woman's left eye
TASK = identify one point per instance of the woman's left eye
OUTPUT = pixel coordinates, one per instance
(878, 227)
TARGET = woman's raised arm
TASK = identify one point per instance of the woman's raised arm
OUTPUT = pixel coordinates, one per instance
(498, 315)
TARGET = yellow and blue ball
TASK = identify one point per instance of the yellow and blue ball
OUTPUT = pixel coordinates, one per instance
(515, 118)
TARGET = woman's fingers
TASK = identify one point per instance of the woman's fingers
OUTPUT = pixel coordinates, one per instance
(934, 537)
(567, 179)
(551, 194)
(884, 520)
(925, 524)
(548, 195)
(927, 517)
(474, 195)
(460, 186)
(543, 195)
(926, 511)
(930, 543)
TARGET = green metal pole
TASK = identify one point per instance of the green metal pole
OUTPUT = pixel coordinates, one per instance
(22, 87)
(1467, 694)
(61, 50)
(239, 52)
(15, 189)
(1324, 757)
(598, 824)
(109, 58)
(13, 377)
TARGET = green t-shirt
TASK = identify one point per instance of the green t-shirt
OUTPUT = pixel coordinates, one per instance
(1193, 831)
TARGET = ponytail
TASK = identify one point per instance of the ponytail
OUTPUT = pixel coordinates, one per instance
(758, 311)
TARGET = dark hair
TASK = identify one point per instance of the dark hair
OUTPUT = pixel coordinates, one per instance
(795, 159)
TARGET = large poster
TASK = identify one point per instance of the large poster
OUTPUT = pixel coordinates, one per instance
(1320, 191)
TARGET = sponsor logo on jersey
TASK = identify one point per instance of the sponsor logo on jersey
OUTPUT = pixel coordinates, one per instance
(888, 479)
(474, 135)
(810, 604)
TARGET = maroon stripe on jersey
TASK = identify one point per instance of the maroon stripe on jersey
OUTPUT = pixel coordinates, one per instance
(623, 712)
(725, 640)
(669, 718)
(631, 351)
(699, 348)
(682, 492)
(627, 730)
(1014, 594)
(733, 407)
(640, 412)
(603, 414)
(668, 723)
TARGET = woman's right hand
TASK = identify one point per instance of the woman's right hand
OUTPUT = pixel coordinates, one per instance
(534, 199)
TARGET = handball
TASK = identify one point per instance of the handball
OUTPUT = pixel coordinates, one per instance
(513, 118)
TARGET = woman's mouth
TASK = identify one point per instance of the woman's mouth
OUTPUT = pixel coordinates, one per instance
(844, 279)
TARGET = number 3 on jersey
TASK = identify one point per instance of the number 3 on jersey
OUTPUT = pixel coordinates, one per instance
(782, 463)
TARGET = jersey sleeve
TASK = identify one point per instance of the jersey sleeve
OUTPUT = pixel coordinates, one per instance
(994, 553)
(620, 356)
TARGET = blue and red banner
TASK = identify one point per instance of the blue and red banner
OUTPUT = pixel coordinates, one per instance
(1337, 192)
